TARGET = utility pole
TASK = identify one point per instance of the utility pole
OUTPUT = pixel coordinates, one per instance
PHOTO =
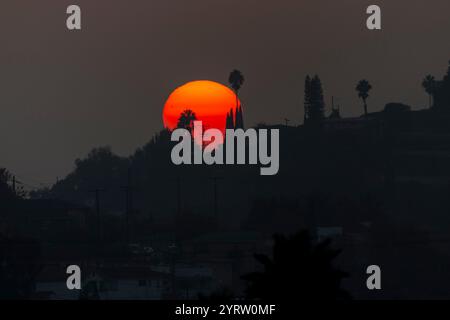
(178, 213)
(14, 185)
(215, 179)
(97, 210)
(128, 205)
(286, 120)
(178, 196)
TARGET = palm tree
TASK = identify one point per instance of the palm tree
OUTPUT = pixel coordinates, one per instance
(186, 120)
(236, 80)
(363, 89)
(429, 84)
(298, 268)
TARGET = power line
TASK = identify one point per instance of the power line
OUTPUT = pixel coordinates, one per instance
(97, 209)
(35, 184)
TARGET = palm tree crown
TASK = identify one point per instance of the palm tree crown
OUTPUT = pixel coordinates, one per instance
(236, 80)
(429, 84)
(363, 89)
(298, 268)
(186, 120)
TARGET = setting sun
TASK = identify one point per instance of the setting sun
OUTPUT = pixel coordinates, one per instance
(210, 101)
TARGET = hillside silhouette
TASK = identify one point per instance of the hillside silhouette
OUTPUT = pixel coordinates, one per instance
(376, 184)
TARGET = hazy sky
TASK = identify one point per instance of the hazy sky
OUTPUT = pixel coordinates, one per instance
(63, 93)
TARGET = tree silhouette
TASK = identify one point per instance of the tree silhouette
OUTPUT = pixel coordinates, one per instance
(316, 105)
(298, 269)
(440, 91)
(429, 84)
(363, 89)
(186, 120)
(8, 192)
(236, 80)
(5, 189)
(307, 99)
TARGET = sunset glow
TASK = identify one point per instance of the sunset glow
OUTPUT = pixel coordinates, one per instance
(210, 101)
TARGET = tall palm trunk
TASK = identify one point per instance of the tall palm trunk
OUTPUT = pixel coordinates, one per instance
(236, 111)
(365, 107)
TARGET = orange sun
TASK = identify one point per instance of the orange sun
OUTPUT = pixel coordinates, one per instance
(210, 101)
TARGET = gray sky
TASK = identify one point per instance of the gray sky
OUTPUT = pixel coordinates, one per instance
(63, 93)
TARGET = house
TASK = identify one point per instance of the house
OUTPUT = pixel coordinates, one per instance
(115, 282)
(50, 284)
(130, 282)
